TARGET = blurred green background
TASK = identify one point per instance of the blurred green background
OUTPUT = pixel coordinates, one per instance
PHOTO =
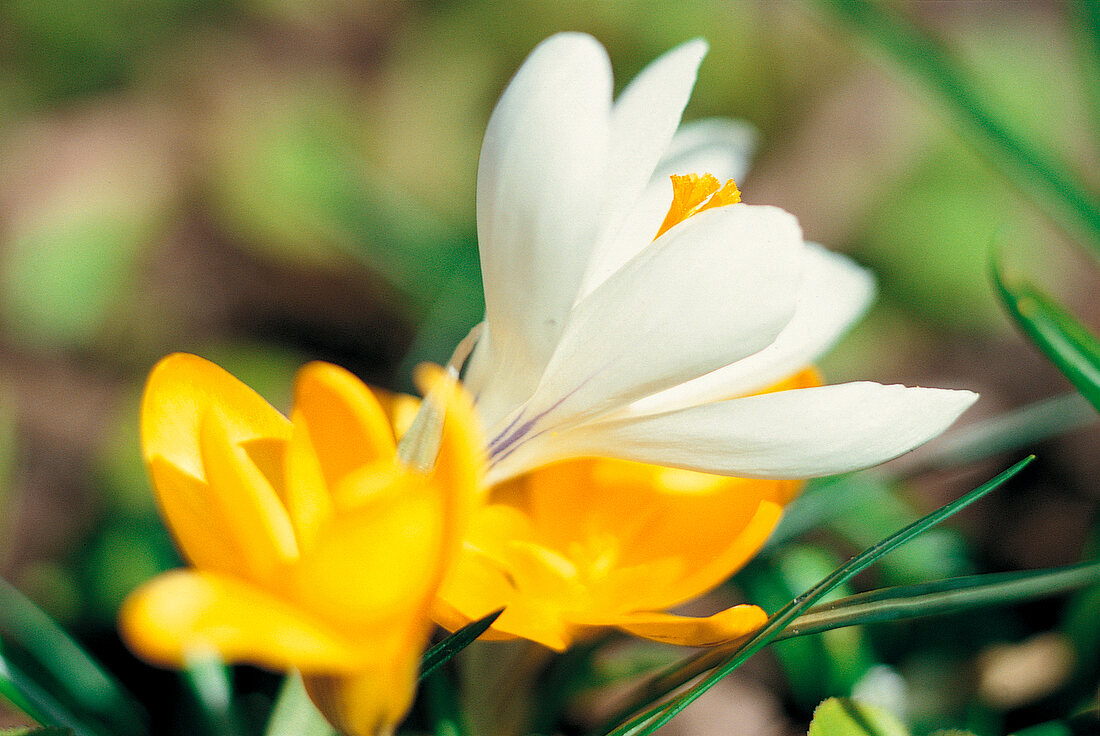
(266, 182)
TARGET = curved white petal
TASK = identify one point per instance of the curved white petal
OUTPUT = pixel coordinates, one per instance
(835, 293)
(479, 365)
(711, 146)
(714, 289)
(789, 434)
(540, 189)
(643, 122)
(498, 382)
(715, 146)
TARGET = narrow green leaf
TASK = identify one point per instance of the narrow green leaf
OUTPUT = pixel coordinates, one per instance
(844, 717)
(80, 679)
(814, 667)
(1064, 340)
(1086, 13)
(942, 597)
(654, 718)
(29, 697)
(294, 713)
(442, 652)
(16, 696)
(863, 508)
(37, 731)
(1063, 197)
(209, 679)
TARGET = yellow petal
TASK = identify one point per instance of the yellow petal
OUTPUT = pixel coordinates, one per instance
(722, 628)
(461, 464)
(180, 389)
(339, 427)
(704, 573)
(346, 423)
(400, 409)
(498, 569)
(380, 564)
(708, 525)
(370, 702)
(535, 621)
(200, 529)
(306, 495)
(234, 522)
(471, 591)
(245, 495)
(182, 613)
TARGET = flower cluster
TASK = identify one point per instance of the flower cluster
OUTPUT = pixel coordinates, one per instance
(314, 546)
(645, 384)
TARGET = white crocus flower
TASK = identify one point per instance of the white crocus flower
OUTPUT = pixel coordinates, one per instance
(601, 340)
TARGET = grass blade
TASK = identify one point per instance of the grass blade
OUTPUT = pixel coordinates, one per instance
(29, 697)
(442, 652)
(210, 683)
(1064, 340)
(942, 597)
(84, 682)
(661, 714)
(1062, 196)
(1086, 14)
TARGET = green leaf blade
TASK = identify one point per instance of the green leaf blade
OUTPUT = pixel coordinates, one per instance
(1069, 202)
(942, 597)
(844, 717)
(1062, 338)
(80, 681)
(294, 713)
(442, 652)
(654, 718)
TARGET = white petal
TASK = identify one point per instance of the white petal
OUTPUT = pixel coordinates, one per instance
(789, 434)
(540, 189)
(479, 366)
(714, 289)
(835, 293)
(647, 114)
(643, 122)
(712, 146)
(715, 146)
(497, 381)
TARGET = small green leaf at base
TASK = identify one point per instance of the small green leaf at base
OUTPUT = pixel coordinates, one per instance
(844, 717)
(1062, 338)
(294, 713)
(442, 652)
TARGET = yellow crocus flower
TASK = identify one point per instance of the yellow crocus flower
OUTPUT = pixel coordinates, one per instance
(585, 544)
(313, 546)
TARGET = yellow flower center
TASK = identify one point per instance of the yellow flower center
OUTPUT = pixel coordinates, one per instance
(693, 193)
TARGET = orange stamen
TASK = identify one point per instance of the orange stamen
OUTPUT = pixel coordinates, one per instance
(693, 193)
